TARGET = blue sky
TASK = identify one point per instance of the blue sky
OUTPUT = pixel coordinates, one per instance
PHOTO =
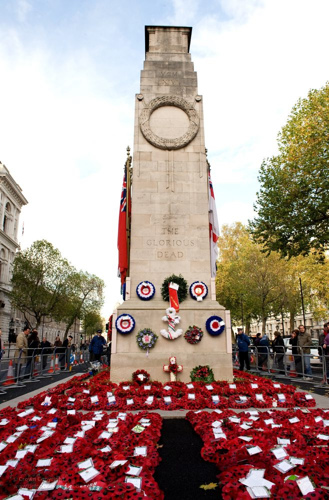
(70, 70)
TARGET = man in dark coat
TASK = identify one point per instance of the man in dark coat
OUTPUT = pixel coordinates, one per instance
(96, 345)
(243, 342)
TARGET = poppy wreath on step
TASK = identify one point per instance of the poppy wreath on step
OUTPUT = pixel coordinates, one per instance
(198, 290)
(182, 290)
(202, 374)
(125, 323)
(193, 335)
(145, 290)
(215, 325)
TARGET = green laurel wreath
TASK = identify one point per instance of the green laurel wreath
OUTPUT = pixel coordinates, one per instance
(182, 290)
(202, 374)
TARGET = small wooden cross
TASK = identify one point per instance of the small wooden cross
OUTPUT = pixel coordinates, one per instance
(173, 368)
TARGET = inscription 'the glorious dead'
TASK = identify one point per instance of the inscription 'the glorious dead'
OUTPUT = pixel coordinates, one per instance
(171, 239)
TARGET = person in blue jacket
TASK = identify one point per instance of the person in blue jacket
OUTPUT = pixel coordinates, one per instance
(96, 345)
(243, 342)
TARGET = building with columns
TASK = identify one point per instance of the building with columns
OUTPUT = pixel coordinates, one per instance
(11, 202)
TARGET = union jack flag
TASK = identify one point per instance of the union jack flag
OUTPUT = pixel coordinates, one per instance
(123, 201)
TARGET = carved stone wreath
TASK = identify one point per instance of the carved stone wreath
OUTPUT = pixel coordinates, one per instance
(161, 142)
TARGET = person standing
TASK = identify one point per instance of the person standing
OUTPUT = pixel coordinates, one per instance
(96, 345)
(21, 352)
(263, 350)
(45, 350)
(65, 349)
(293, 341)
(33, 344)
(326, 354)
(257, 339)
(278, 349)
(304, 342)
(2, 345)
(243, 342)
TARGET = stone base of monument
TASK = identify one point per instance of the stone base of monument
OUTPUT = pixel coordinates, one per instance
(215, 351)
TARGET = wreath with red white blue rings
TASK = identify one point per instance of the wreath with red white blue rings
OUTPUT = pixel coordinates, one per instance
(198, 290)
(145, 290)
(215, 325)
(125, 323)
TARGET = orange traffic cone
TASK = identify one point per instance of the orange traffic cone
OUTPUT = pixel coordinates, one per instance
(56, 363)
(10, 374)
(75, 362)
(35, 371)
(81, 357)
(51, 369)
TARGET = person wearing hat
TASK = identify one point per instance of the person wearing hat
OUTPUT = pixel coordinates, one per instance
(96, 345)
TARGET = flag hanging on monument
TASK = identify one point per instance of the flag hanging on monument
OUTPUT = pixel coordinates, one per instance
(213, 228)
(122, 233)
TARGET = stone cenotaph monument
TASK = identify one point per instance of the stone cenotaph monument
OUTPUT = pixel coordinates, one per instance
(169, 224)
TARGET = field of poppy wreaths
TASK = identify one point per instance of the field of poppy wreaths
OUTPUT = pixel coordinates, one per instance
(79, 440)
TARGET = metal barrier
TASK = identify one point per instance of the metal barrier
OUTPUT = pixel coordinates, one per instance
(284, 363)
(31, 365)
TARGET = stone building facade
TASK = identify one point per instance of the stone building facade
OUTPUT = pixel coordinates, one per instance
(11, 202)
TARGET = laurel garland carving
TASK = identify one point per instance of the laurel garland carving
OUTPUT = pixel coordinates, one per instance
(161, 142)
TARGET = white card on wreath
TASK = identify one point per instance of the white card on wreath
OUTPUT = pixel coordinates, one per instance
(190, 386)
(45, 486)
(86, 464)
(134, 471)
(26, 493)
(89, 474)
(147, 387)
(284, 466)
(135, 481)
(3, 469)
(254, 450)
(44, 462)
(140, 451)
(149, 400)
(117, 463)
(279, 452)
(106, 449)
(191, 396)
(305, 485)
(209, 387)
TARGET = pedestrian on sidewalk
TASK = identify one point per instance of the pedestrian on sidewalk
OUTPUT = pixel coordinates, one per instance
(65, 349)
(33, 344)
(278, 349)
(296, 359)
(243, 342)
(21, 352)
(304, 342)
(326, 351)
(263, 350)
(2, 345)
(45, 350)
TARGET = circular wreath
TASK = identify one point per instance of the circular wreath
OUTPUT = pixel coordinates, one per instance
(145, 290)
(202, 374)
(141, 377)
(146, 339)
(198, 290)
(182, 290)
(125, 323)
(193, 335)
(215, 325)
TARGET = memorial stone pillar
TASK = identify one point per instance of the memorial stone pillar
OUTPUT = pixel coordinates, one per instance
(169, 215)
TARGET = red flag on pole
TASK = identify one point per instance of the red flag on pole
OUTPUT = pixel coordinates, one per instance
(122, 232)
(213, 228)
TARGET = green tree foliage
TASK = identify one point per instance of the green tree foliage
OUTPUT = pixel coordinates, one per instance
(256, 285)
(92, 321)
(45, 285)
(83, 295)
(39, 280)
(293, 203)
